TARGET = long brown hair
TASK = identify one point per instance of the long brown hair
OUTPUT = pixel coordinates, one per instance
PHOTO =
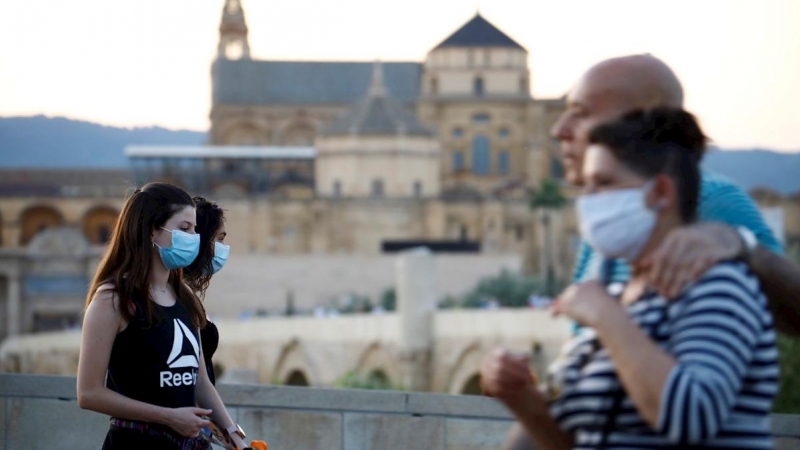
(209, 218)
(129, 257)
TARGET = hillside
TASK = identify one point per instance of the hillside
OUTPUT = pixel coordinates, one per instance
(58, 143)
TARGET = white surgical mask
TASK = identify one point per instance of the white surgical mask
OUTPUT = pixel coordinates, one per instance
(617, 223)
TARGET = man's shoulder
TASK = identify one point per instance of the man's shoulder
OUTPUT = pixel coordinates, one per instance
(721, 195)
(712, 181)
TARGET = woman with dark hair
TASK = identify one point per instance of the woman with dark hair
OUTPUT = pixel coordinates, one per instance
(140, 345)
(699, 371)
(212, 257)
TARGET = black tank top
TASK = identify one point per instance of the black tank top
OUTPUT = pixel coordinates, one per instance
(156, 363)
(210, 341)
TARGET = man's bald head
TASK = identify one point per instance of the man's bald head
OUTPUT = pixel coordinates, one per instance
(606, 91)
(637, 81)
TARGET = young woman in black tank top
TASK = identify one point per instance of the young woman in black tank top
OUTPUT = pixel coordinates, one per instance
(141, 351)
(212, 257)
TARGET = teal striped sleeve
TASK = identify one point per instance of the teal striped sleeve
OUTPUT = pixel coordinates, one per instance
(723, 201)
(582, 262)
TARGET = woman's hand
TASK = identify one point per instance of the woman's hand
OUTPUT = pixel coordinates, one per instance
(238, 441)
(505, 374)
(187, 421)
(585, 303)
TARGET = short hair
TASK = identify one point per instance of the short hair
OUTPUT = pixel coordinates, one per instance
(659, 141)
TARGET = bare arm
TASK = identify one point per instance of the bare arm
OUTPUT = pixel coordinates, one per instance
(207, 397)
(712, 341)
(689, 251)
(642, 366)
(531, 411)
(518, 439)
(780, 281)
(507, 377)
(100, 327)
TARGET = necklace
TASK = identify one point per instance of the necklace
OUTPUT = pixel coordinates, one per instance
(163, 291)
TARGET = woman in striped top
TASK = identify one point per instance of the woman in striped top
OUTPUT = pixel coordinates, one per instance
(696, 372)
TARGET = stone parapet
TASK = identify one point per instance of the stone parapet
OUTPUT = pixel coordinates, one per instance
(290, 417)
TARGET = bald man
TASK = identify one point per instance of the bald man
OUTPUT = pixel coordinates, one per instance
(730, 226)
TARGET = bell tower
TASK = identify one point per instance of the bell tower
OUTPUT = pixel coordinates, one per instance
(233, 32)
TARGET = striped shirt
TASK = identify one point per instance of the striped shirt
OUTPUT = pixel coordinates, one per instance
(718, 395)
(721, 200)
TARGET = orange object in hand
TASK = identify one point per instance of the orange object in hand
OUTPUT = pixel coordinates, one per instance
(259, 445)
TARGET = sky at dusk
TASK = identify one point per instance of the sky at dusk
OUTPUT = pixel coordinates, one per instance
(147, 62)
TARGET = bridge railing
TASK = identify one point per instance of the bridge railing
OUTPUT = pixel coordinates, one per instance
(41, 412)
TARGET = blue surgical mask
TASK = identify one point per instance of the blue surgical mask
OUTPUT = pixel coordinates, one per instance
(221, 252)
(183, 251)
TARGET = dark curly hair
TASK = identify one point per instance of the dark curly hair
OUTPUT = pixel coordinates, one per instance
(656, 141)
(209, 218)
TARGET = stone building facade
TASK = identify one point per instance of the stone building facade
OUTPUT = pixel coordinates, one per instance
(472, 90)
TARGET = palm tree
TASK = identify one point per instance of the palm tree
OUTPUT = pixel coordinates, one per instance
(548, 199)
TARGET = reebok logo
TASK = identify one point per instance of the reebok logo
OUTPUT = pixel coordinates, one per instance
(178, 359)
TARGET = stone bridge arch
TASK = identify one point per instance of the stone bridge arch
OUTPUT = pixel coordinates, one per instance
(464, 377)
(377, 361)
(294, 366)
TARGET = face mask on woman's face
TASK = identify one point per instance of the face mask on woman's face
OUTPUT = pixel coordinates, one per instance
(183, 251)
(617, 223)
(221, 252)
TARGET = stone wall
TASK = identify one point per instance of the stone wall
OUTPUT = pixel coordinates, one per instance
(42, 412)
(268, 350)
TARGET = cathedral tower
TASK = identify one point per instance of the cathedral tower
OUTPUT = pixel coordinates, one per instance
(233, 32)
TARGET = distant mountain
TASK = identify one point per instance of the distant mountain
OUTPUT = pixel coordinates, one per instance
(59, 143)
(757, 168)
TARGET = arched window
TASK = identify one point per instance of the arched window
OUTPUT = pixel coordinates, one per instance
(418, 189)
(556, 168)
(481, 119)
(477, 86)
(503, 162)
(377, 188)
(481, 163)
(337, 188)
(37, 219)
(98, 223)
(463, 233)
(298, 134)
(234, 50)
(458, 161)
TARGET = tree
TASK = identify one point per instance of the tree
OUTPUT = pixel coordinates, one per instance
(546, 200)
(508, 289)
(389, 299)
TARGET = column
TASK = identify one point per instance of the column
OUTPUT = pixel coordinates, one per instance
(416, 304)
(14, 304)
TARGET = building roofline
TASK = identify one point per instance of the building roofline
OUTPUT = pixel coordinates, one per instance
(224, 152)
